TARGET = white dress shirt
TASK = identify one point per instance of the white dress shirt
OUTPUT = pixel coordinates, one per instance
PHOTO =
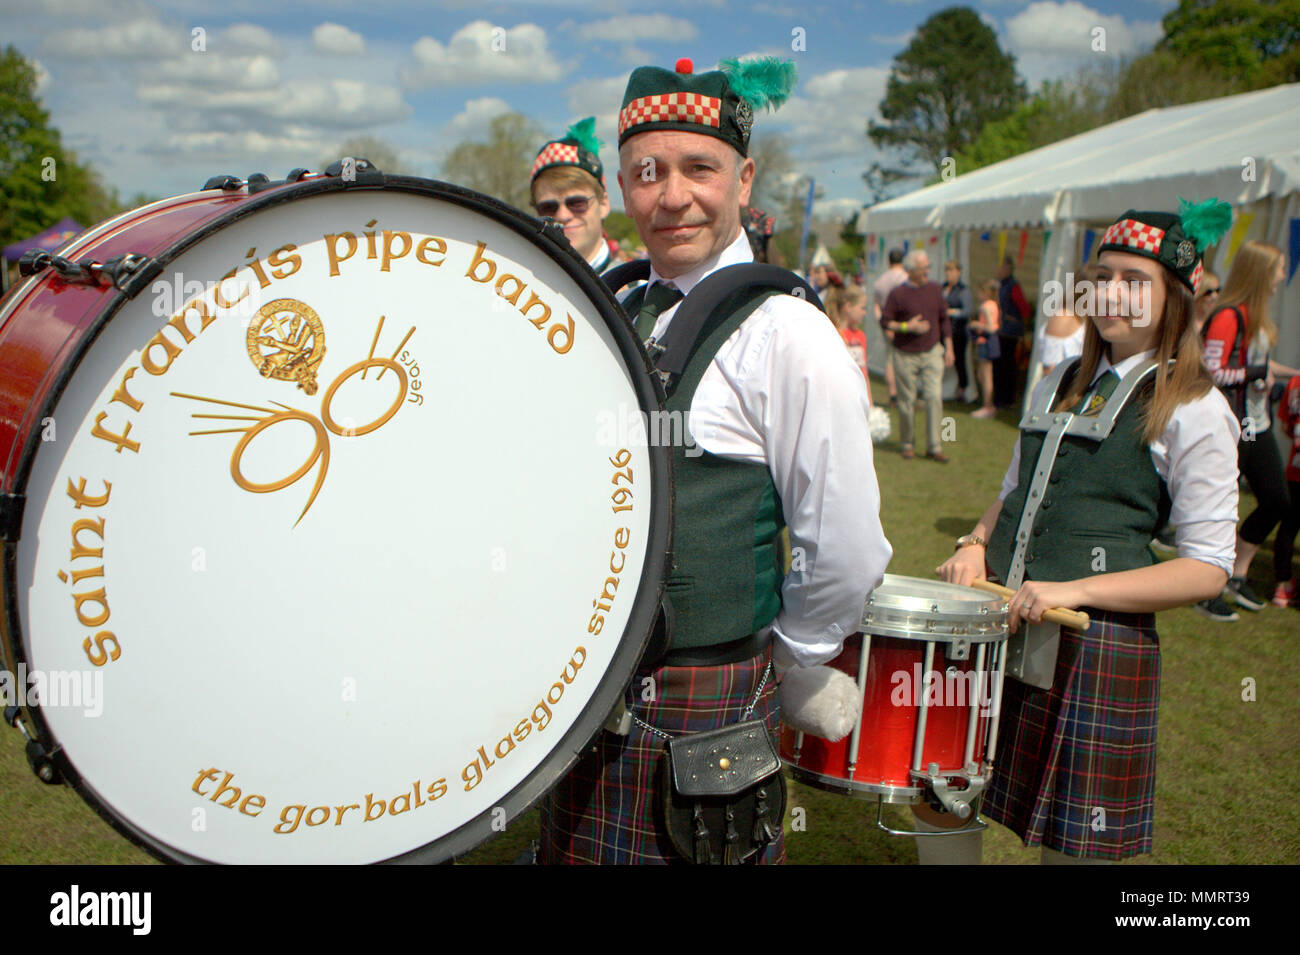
(783, 392)
(1196, 457)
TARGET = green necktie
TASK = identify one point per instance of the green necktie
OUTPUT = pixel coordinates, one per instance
(1091, 407)
(656, 300)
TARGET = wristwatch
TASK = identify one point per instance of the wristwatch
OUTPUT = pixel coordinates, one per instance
(967, 539)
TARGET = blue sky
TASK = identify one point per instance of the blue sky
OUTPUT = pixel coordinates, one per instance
(282, 84)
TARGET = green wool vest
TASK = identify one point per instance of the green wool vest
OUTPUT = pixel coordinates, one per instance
(725, 577)
(1104, 502)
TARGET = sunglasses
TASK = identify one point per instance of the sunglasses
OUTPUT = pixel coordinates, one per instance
(578, 205)
(1212, 291)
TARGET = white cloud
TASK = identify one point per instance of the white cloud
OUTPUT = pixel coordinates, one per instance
(482, 53)
(336, 40)
(336, 104)
(899, 40)
(837, 209)
(830, 115)
(127, 40)
(643, 27)
(634, 55)
(42, 77)
(245, 38)
(199, 73)
(473, 121)
(1068, 28)
(247, 148)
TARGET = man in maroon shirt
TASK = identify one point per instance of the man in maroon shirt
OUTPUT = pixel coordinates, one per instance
(917, 313)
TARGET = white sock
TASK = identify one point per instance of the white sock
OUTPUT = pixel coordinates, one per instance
(965, 849)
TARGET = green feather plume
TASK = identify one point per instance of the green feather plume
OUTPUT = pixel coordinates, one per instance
(583, 133)
(764, 82)
(1204, 222)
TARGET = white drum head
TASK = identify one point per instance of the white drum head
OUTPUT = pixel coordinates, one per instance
(375, 557)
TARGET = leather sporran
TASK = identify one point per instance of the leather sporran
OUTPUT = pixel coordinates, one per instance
(723, 794)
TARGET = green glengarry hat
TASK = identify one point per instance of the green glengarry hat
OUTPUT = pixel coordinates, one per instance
(579, 147)
(1176, 241)
(720, 103)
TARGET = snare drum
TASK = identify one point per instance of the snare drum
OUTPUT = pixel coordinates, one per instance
(928, 666)
(280, 501)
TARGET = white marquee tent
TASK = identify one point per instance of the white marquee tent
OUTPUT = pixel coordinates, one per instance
(1244, 149)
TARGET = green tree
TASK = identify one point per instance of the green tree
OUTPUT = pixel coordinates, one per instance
(1257, 41)
(772, 166)
(621, 228)
(500, 166)
(1161, 78)
(1059, 110)
(40, 180)
(952, 79)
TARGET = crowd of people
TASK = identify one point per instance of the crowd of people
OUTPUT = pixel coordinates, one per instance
(778, 397)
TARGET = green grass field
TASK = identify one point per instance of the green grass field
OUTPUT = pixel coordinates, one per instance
(1225, 764)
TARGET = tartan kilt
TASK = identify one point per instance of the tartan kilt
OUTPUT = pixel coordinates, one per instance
(606, 810)
(1087, 744)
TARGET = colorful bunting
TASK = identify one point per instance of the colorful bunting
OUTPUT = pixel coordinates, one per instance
(1020, 254)
(1002, 246)
(1239, 230)
(1294, 249)
(1089, 237)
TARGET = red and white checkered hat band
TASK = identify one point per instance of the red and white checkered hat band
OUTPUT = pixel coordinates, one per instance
(1196, 276)
(555, 154)
(671, 108)
(1131, 234)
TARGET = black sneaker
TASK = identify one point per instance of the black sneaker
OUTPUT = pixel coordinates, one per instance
(1243, 595)
(1217, 609)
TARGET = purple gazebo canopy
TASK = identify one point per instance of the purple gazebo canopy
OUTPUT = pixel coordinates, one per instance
(51, 239)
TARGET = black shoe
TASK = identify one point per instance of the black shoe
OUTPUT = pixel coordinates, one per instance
(1217, 609)
(1243, 595)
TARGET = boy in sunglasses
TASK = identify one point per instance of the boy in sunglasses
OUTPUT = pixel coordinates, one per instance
(568, 185)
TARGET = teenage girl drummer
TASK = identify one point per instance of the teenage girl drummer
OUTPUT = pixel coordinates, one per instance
(1075, 765)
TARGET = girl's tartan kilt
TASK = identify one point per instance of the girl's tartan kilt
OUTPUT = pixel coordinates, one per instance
(1075, 768)
(606, 810)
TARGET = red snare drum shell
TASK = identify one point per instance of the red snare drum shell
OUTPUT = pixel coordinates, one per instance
(889, 723)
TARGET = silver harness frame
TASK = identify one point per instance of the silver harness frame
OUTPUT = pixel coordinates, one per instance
(1031, 651)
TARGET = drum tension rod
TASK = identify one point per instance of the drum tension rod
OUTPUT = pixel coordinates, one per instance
(37, 756)
(116, 272)
(11, 515)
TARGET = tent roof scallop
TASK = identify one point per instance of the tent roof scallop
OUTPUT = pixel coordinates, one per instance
(1240, 148)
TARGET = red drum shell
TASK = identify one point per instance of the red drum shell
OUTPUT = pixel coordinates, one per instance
(45, 320)
(887, 730)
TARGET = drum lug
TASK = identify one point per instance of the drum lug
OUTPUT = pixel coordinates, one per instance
(42, 763)
(959, 650)
(120, 272)
(224, 183)
(362, 172)
(959, 802)
(11, 516)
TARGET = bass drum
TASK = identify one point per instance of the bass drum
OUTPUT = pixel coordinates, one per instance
(329, 532)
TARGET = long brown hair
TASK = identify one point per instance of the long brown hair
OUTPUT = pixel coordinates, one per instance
(1186, 381)
(1248, 284)
(838, 296)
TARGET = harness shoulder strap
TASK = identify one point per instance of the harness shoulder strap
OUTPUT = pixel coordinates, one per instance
(701, 311)
(638, 270)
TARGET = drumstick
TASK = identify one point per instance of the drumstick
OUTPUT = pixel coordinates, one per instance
(1074, 619)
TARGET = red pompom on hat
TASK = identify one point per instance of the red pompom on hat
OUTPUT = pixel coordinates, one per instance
(684, 65)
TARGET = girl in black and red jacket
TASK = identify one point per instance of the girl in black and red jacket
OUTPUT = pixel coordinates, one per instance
(1238, 337)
